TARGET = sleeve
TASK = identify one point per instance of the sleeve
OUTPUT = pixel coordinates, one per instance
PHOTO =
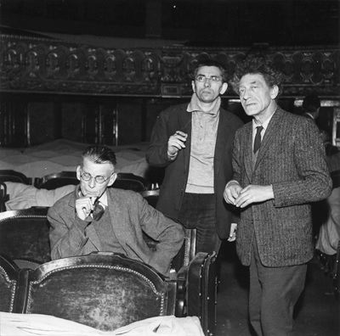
(67, 234)
(314, 183)
(157, 152)
(168, 234)
(236, 159)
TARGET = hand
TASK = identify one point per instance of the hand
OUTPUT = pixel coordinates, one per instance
(231, 192)
(176, 142)
(84, 206)
(232, 233)
(254, 194)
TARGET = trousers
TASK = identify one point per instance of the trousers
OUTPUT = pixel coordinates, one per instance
(273, 294)
(198, 212)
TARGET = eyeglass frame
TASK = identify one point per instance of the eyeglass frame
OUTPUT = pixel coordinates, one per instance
(203, 79)
(93, 177)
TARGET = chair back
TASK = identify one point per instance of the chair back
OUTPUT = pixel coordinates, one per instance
(3, 196)
(56, 180)
(187, 252)
(130, 181)
(102, 290)
(7, 175)
(151, 196)
(8, 284)
(24, 234)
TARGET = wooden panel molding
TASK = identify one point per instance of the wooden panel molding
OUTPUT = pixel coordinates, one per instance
(40, 65)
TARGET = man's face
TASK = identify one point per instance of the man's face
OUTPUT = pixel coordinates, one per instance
(208, 84)
(104, 171)
(257, 98)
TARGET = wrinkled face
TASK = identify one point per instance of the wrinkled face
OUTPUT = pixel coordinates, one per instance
(208, 84)
(95, 171)
(257, 98)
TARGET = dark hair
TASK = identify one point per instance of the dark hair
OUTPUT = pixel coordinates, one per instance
(210, 63)
(100, 154)
(254, 66)
(311, 102)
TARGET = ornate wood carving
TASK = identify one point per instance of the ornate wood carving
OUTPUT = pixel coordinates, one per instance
(50, 66)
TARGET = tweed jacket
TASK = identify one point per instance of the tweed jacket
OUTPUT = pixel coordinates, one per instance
(176, 172)
(130, 216)
(291, 159)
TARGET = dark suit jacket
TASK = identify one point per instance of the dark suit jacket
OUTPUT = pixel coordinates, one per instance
(176, 172)
(292, 159)
(130, 215)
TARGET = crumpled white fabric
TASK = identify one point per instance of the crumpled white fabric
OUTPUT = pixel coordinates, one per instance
(163, 326)
(45, 325)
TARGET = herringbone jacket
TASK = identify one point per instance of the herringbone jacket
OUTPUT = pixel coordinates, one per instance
(291, 159)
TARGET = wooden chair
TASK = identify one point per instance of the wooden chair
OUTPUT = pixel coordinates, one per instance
(56, 180)
(7, 175)
(24, 234)
(102, 290)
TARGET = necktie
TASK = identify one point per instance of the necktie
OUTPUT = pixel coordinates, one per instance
(257, 142)
(98, 211)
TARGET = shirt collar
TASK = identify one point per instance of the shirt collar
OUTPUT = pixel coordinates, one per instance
(195, 105)
(103, 199)
(264, 124)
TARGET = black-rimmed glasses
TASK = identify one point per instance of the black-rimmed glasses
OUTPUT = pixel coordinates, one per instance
(202, 78)
(98, 179)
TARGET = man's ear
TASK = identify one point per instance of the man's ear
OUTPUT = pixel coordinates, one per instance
(274, 92)
(224, 88)
(193, 86)
(78, 172)
(112, 179)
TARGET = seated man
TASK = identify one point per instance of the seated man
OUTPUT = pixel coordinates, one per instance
(78, 227)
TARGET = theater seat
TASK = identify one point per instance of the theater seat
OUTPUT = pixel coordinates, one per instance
(3, 196)
(24, 234)
(9, 274)
(7, 175)
(196, 277)
(56, 180)
(101, 290)
(130, 181)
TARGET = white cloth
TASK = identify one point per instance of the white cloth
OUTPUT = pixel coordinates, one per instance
(46, 325)
(22, 196)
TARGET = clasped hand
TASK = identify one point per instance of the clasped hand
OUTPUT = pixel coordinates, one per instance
(242, 197)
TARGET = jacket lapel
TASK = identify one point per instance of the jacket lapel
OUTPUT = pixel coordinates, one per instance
(248, 150)
(185, 125)
(221, 139)
(269, 135)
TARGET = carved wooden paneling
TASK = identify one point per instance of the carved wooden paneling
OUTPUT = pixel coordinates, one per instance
(50, 66)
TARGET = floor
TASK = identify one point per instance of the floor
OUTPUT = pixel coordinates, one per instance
(317, 312)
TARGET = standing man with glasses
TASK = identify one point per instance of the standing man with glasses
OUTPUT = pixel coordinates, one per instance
(194, 143)
(97, 218)
(279, 170)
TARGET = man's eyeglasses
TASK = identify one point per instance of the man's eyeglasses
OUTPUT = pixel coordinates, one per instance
(99, 179)
(202, 78)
